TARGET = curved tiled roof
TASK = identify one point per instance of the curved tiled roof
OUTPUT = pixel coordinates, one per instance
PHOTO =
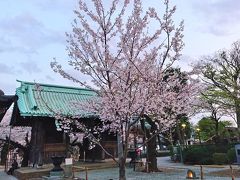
(47, 100)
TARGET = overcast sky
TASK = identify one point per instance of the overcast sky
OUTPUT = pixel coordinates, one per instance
(32, 33)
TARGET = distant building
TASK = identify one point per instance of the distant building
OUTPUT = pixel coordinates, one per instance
(5, 102)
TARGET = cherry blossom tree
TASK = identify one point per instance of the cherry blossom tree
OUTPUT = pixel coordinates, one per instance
(126, 61)
(14, 138)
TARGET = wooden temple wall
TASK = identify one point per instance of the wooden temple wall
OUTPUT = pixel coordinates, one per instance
(46, 142)
(45, 145)
(37, 141)
(53, 149)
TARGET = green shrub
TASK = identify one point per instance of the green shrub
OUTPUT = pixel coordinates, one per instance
(203, 154)
(220, 158)
(231, 155)
(207, 160)
(197, 155)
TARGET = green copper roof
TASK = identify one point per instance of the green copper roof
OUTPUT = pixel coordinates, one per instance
(47, 100)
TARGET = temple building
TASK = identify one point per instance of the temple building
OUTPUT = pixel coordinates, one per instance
(36, 105)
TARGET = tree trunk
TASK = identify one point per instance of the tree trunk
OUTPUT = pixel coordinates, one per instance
(4, 153)
(216, 128)
(217, 139)
(121, 159)
(151, 154)
(151, 144)
(122, 167)
(179, 135)
(237, 109)
(25, 157)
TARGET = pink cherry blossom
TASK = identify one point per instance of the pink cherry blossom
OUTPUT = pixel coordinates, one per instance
(126, 64)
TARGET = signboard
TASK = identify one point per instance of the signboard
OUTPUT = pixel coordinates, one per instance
(237, 150)
(68, 161)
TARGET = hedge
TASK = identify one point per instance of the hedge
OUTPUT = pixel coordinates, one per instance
(220, 158)
(209, 154)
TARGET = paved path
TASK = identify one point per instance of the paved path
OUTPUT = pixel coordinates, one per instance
(4, 176)
(179, 173)
(166, 162)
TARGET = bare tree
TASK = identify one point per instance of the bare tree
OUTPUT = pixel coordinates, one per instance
(221, 73)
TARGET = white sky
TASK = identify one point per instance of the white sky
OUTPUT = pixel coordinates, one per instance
(32, 33)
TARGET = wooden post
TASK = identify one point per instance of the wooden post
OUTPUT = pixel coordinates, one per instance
(201, 170)
(84, 156)
(73, 175)
(147, 166)
(8, 148)
(232, 172)
(86, 169)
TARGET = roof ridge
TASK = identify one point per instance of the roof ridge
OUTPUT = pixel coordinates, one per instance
(58, 98)
(53, 85)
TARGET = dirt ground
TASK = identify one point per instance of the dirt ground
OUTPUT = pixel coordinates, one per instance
(162, 170)
(226, 173)
(169, 170)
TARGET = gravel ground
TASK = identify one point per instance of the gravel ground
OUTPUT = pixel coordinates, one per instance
(170, 171)
(108, 174)
(174, 171)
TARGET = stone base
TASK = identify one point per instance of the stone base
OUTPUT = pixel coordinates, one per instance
(68, 171)
(28, 173)
(57, 173)
(52, 178)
